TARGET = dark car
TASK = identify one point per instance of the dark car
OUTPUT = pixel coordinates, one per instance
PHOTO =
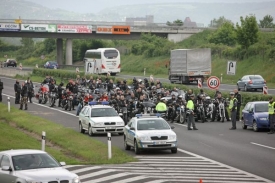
(255, 115)
(10, 62)
(51, 65)
(251, 82)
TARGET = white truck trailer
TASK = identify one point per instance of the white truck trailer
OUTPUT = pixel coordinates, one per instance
(189, 65)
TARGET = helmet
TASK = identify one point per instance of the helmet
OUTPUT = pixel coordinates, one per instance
(145, 80)
(134, 79)
(192, 95)
(180, 97)
(130, 100)
(61, 84)
(232, 93)
(124, 81)
(139, 80)
(207, 98)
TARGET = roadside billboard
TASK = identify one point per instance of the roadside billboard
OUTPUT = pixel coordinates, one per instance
(38, 27)
(9, 27)
(74, 28)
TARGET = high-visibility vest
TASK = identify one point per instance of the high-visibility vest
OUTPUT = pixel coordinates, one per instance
(271, 108)
(161, 107)
(231, 103)
(190, 105)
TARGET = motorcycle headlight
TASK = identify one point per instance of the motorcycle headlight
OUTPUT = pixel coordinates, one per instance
(181, 107)
(144, 138)
(172, 137)
(120, 123)
(76, 180)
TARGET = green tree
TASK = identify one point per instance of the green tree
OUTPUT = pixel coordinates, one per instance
(177, 22)
(216, 23)
(49, 45)
(247, 32)
(266, 22)
(27, 49)
(224, 35)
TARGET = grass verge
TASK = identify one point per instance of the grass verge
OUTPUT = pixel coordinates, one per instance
(20, 130)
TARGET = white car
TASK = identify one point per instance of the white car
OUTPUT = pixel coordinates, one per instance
(100, 119)
(35, 166)
(149, 132)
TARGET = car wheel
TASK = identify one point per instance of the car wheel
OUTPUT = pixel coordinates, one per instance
(245, 88)
(126, 146)
(243, 125)
(255, 127)
(174, 151)
(81, 130)
(90, 131)
(137, 150)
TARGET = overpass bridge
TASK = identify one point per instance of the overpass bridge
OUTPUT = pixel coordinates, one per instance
(62, 29)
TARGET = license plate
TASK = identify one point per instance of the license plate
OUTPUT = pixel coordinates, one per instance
(110, 127)
(160, 142)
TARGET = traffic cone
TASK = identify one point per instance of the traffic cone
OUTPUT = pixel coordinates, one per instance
(200, 181)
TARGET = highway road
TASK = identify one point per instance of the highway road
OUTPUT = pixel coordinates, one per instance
(244, 150)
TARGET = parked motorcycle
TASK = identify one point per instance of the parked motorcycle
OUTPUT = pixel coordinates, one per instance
(201, 112)
(180, 114)
(52, 96)
(209, 108)
(221, 111)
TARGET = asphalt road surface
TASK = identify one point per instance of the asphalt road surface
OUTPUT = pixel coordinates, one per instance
(244, 150)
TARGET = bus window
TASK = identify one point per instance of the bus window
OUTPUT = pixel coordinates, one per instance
(110, 54)
(95, 55)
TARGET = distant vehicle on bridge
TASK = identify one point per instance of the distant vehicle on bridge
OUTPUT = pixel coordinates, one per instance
(102, 61)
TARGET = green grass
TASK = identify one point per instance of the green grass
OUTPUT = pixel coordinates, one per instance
(65, 143)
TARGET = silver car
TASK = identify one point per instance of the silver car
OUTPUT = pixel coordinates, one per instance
(251, 82)
(145, 132)
(35, 166)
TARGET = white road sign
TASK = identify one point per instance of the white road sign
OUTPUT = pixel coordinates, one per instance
(231, 67)
(213, 82)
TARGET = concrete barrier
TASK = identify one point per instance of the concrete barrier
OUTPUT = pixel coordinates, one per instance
(13, 72)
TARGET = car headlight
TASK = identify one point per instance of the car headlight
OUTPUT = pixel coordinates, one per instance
(262, 118)
(98, 124)
(172, 137)
(144, 138)
(76, 180)
(120, 123)
(33, 181)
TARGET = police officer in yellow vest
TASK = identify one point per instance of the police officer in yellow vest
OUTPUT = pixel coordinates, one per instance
(233, 109)
(271, 115)
(161, 106)
(190, 106)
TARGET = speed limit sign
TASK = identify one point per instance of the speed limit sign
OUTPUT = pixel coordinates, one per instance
(213, 82)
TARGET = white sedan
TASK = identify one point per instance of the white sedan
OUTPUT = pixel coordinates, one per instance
(35, 166)
(149, 132)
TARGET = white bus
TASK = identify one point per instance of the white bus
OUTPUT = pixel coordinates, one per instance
(102, 61)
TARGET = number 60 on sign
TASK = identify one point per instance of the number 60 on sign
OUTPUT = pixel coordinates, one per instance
(213, 82)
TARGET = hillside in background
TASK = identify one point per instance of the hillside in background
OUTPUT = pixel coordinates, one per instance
(163, 12)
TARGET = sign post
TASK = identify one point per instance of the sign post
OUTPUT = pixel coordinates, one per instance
(109, 145)
(43, 140)
(231, 67)
(9, 104)
(213, 82)
(265, 90)
(199, 83)
(144, 71)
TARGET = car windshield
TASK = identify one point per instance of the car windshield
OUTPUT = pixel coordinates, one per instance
(255, 77)
(33, 161)
(152, 124)
(103, 112)
(263, 107)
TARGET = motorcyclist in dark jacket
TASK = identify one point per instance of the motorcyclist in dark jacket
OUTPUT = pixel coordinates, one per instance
(17, 90)
(170, 104)
(59, 91)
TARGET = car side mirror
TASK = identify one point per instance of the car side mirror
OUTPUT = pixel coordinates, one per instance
(172, 127)
(6, 168)
(62, 163)
(251, 111)
(132, 128)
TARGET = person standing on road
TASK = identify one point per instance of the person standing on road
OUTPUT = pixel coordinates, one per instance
(271, 115)
(1, 88)
(30, 90)
(233, 109)
(238, 96)
(190, 112)
(17, 90)
(24, 96)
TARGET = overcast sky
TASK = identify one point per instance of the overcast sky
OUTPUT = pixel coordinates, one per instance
(94, 6)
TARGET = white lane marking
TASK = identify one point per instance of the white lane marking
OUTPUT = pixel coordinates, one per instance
(262, 145)
(224, 165)
(172, 162)
(165, 157)
(46, 106)
(131, 179)
(85, 169)
(205, 144)
(110, 177)
(90, 175)
(155, 181)
(169, 160)
(179, 124)
(70, 166)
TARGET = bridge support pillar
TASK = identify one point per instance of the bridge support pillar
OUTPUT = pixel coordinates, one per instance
(59, 51)
(69, 52)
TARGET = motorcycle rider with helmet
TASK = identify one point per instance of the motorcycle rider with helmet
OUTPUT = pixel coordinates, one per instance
(219, 99)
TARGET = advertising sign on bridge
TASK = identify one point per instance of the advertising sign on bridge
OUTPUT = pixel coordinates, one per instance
(38, 27)
(74, 28)
(9, 27)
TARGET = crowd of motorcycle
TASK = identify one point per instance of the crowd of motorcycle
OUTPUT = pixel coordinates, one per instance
(128, 100)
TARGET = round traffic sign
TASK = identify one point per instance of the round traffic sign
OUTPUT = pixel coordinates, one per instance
(213, 82)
